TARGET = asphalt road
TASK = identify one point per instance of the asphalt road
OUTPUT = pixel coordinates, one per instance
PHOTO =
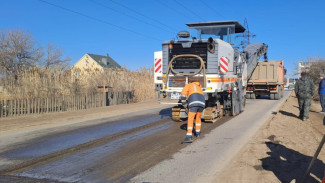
(204, 159)
(139, 147)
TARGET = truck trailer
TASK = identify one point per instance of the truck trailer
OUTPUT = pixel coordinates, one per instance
(267, 79)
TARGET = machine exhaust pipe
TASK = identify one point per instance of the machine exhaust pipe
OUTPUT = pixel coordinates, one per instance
(211, 45)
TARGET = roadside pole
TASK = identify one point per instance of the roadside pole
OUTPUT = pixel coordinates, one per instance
(313, 160)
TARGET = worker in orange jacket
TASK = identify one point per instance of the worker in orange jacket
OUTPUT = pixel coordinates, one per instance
(196, 103)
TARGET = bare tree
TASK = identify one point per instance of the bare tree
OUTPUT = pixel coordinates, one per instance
(18, 51)
(317, 67)
(53, 57)
(314, 67)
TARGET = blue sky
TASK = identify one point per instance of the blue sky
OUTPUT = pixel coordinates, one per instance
(131, 30)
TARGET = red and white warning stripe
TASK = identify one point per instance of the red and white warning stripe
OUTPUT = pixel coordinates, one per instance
(158, 65)
(224, 64)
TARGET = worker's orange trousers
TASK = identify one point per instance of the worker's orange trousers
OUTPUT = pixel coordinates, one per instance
(191, 116)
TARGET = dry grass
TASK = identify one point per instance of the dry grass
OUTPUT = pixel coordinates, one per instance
(43, 82)
(37, 82)
(141, 81)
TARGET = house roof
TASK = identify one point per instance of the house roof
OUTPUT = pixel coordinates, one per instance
(104, 61)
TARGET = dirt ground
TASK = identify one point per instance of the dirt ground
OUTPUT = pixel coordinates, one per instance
(282, 149)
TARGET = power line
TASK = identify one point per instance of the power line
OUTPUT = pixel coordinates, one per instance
(214, 10)
(246, 35)
(189, 10)
(98, 20)
(174, 9)
(152, 19)
(135, 18)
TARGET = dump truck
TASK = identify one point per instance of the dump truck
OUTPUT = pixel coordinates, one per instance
(267, 79)
(210, 59)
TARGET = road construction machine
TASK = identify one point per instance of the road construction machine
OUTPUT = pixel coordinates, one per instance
(210, 59)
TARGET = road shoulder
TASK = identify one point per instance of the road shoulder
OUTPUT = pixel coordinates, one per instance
(281, 150)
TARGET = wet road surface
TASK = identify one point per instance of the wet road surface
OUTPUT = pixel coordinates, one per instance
(59, 142)
(114, 151)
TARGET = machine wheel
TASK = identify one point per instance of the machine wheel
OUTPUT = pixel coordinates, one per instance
(237, 99)
(176, 113)
(210, 114)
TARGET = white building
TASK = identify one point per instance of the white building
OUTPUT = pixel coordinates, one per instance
(303, 67)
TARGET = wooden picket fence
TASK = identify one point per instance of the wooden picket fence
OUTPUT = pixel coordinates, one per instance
(20, 107)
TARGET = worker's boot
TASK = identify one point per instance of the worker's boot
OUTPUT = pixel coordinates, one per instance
(197, 134)
(188, 139)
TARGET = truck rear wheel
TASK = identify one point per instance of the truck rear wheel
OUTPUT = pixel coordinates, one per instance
(253, 96)
(248, 96)
(271, 96)
(277, 95)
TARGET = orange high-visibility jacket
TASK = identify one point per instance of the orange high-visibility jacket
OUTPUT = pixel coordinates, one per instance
(191, 88)
(194, 94)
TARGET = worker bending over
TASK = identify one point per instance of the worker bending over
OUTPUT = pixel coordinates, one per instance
(196, 104)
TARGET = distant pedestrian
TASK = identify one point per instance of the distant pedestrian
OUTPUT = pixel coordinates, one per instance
(196, 103)
(304, 89)
(321, 92)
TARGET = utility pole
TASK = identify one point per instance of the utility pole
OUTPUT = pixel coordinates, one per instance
(246, 35)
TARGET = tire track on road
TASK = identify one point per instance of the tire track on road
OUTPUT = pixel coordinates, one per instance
(60, 154)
